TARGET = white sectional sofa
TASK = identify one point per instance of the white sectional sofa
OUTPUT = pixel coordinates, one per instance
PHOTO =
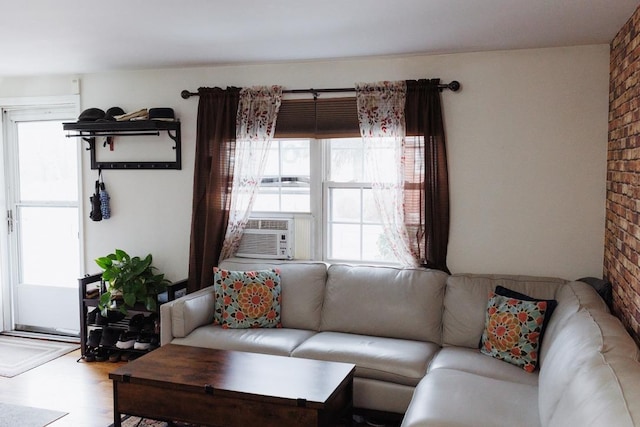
(413, 335)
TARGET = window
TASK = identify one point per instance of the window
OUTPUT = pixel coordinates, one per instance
(353, 227)
(316, 166)
(347, 222)
(287, 177)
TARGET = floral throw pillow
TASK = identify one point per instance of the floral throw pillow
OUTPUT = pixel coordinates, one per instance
(512, 330)
(551, 305)
(247, 299)
(219, 276)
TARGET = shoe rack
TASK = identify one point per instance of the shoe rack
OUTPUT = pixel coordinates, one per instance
(90, 288)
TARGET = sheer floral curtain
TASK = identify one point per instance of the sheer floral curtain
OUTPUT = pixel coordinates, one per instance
(382, 126)
(255, 126)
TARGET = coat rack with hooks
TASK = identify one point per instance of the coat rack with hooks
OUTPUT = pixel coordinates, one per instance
(89, 131)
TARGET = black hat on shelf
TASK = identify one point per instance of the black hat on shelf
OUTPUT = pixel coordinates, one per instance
(91, 115)
(112, 113)
(164, 113)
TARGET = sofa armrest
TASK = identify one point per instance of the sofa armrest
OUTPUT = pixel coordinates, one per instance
(179, 317)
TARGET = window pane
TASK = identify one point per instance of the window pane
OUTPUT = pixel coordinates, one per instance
(346, 160)
(345, 242)
(374, 245)
(385, 158)
(47, 162)
(49, 254)
(295, 202)
(272, 165)
(295, 158)
(285, 185)
(370, 211)
(267, 202)
(345, 204)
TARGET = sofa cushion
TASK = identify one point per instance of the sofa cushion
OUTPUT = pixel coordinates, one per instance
(571, 298)
(250, 299)
(472, 361)
(448, 397)
(465, 302)
(395, 360)
(303, 285)
(585, 334)
(190, 311)
(384, 301)
(277, 341)
(512, 330)
(600, 393)
(381, 395)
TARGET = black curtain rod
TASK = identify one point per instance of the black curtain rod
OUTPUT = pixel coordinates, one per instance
(454, 86)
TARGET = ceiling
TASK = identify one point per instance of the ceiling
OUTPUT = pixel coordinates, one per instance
(80, 36)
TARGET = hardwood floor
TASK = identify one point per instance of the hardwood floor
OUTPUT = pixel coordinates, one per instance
(81, 389)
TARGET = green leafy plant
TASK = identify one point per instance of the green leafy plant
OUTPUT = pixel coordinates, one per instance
(131, 279)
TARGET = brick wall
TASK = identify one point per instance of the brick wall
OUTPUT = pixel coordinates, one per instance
(622, 235)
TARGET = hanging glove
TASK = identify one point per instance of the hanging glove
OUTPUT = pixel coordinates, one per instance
(96, 212)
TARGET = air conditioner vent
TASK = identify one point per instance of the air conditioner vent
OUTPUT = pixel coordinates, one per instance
(252, 243)
(253, 224)
(267, 238)
(274, 224)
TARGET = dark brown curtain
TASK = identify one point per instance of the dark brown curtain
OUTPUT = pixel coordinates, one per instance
(213, 176)
(427, 196)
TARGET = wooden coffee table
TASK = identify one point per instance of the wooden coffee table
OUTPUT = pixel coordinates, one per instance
(231, 388)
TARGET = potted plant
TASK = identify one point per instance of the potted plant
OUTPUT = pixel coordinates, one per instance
(130, 280)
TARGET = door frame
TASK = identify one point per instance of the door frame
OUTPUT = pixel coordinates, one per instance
(7, 321)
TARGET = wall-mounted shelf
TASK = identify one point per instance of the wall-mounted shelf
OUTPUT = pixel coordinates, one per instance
(89, 131)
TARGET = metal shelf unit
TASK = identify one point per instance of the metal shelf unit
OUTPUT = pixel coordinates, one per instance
(89, 131)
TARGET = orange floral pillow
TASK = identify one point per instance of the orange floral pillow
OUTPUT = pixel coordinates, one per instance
(512, 330)
(250, 299)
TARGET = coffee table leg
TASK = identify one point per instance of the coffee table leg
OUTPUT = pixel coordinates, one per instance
(116, 414)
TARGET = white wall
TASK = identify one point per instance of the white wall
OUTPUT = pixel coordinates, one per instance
(527, 138)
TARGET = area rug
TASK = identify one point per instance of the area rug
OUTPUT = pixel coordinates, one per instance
(25, 416)
(131, 421)
(18, 355)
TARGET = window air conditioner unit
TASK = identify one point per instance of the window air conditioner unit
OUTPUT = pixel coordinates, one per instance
(270, 238)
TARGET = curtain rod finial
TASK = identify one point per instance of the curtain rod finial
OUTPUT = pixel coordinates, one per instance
(185, 94)
(454, 86)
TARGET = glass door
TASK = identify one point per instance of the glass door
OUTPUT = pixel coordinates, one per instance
(43, 220)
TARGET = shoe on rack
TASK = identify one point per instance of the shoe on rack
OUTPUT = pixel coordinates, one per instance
(136, 322)
(92, 315)
(115, 357)
(146, 342)
(113, 316)
(92, 293)
(109, 337)
(127, 340)
(101, 320)
(95, 335)
(149, 324)
(102, 355)
(90, 355)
